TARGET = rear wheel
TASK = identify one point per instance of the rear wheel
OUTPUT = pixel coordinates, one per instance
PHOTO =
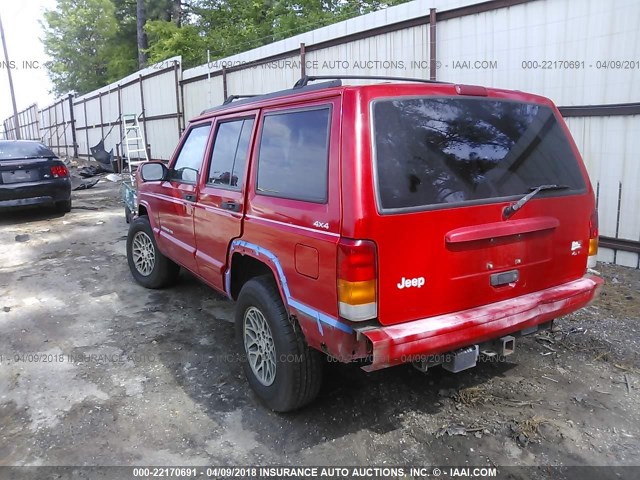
(127, 214)
(149, 267)
(281, 369)
(64, 206)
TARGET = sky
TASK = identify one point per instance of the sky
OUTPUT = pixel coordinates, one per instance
(22, 33)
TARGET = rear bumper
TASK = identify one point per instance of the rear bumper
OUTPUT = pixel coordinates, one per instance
(45, 192)
(396, 344)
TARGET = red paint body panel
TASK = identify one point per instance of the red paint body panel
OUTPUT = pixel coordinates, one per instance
(413, 244)
(501, 229)
(402, 343)
(279, 224)
(307, 260)
(216, 226)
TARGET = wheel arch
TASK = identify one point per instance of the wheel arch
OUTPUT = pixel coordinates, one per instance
(244, 267)
(143, 210)
(247, 261)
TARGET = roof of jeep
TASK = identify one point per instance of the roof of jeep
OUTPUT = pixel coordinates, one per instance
(238, 102)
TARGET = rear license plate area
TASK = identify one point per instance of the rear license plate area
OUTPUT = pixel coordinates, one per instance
(18, 176)
(504, 278)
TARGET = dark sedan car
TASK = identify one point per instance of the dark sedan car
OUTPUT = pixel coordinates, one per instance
(31, 174)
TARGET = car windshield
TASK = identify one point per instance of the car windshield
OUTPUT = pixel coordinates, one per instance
(17, 149)
(437, 151)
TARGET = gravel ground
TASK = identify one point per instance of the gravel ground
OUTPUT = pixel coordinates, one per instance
(96, 370)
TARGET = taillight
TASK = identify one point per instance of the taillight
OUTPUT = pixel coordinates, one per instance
(357, 280)
(59, 171)
(593, 239)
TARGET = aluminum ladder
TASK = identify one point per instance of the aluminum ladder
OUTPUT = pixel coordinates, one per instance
(134, 143)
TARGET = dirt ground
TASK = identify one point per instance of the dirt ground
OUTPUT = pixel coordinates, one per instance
(96, 370)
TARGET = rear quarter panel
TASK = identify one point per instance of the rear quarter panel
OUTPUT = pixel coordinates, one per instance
(304, 254)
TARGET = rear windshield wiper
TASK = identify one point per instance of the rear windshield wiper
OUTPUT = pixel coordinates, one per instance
(515, 206)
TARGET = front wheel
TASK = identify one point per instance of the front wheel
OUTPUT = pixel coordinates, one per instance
(281, 369)
(149, 267)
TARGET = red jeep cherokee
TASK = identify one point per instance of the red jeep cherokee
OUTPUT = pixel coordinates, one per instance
(385, 224)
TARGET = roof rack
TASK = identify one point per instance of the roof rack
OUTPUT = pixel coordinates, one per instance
(232, 98)
(311, 78)
(302, 85)
(251, 98)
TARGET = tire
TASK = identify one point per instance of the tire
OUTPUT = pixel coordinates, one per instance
(157, 271)
(295, 377)
(64, 206)
(127, 214)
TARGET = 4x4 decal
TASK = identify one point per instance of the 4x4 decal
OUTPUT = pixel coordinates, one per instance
(319, 224)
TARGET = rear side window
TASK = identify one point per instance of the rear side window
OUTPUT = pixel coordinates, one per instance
(229, 155)
(189, 161)
(294, 155)
(433, 151)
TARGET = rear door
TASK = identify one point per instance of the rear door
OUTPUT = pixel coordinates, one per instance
(221, 203)
(445, 169)
(177, 197)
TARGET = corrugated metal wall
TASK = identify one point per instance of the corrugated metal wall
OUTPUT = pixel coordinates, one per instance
(608, 145)
(578, 54)
(56, 127)
(29, 126)
(533, 44)
(152, 94)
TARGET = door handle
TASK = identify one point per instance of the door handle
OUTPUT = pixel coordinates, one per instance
(231, 206)
(189, 197)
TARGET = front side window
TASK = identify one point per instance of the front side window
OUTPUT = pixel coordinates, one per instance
(189, 161)
(436, 151)
(294, 155)
(230, 152)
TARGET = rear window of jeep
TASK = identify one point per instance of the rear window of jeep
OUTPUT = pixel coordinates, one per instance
(432, 152)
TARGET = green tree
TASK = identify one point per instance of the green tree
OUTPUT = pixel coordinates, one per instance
(226, 27)
(94, 42)
(77, 35)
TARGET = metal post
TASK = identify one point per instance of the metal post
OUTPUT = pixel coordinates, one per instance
(224, 83)
(121, 130)
(73, 127)
(49, 127)
(144, 122)
(184, 123)
(177, 81)
(64, 129)
(303, 53)
(86, 127)
(120, 162)
(55, 116)
(16, 122)
(432, 44)
(101, 118)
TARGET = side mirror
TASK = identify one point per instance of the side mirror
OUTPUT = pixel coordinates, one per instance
(153, 171)
(188, 174)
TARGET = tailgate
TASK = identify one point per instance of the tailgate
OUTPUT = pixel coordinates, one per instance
(446, 168)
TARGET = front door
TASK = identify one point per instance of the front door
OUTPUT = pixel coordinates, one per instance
(220, 209)
(179, 196)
